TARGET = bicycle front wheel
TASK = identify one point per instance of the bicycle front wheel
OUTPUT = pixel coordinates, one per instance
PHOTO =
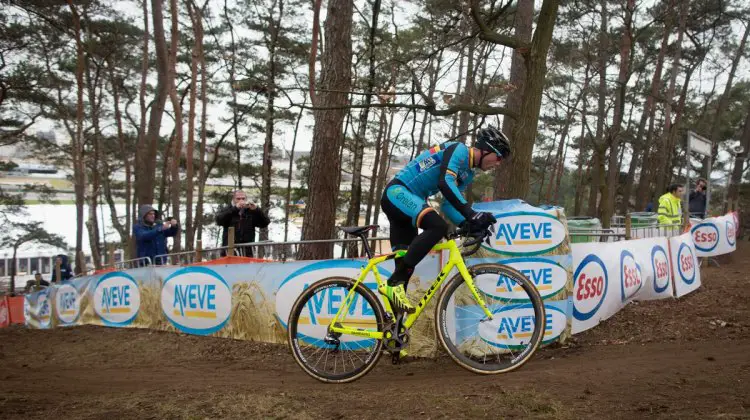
(492, 346)
(333, 357)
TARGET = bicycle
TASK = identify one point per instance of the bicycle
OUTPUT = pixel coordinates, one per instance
(364, 325)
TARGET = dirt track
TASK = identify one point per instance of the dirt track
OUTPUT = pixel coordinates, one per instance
(688, 359)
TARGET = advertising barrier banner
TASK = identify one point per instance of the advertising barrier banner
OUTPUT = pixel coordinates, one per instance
(715, 235)
(4, 315)
(534, 241)
(581, 286)
(685, 268)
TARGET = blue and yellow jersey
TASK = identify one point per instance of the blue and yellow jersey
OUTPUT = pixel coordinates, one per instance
(448, 169)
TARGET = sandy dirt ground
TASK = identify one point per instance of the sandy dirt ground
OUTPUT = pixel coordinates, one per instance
(687, 358)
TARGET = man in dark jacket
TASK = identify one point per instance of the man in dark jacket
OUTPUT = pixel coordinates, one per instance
(151, 234)
(697, 200)
(245, 217)
(66, 273)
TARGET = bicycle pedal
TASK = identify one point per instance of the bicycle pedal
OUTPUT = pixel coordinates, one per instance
(395, 359)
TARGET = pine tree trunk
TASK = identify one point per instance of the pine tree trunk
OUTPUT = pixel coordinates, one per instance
(92, 223)
(352, 215)
(376, 164)
(613, 177)
(291, 164)
(77, 142)
(203, 172)
(175, 187)
(122, 230)
(196, 19)
(644, 185)
(600, 144)
(722, 106)
(739, 161)
(578, 204)
(140, 148)
(146, 175)
(467, 96)
(335, 81)
(508, 174)
(664, 157)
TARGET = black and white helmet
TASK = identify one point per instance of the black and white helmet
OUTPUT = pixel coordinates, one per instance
(492, 140)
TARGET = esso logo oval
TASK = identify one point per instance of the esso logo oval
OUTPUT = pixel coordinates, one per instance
(590, 284)
(315, 318)
(705, 236)
(67, 304)
(117, 299)
(660, 265)
(631, 277)
(526, 233)
(686, 263)
(548, 277)
(512, 327)
(196, 300)
(731, 230)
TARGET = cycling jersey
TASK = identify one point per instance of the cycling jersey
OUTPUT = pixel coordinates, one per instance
(447, 168)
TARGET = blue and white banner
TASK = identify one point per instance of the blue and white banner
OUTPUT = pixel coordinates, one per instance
(715, 235)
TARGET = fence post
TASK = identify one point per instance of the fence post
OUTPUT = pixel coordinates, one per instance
(628, 227)
(57, 271)
(198, 250)
(230, 242)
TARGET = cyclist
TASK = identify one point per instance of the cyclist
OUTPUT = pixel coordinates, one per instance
(448, 169)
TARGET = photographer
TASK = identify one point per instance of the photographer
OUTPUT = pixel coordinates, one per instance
(697, 200)
(245, 217)
(151, 234)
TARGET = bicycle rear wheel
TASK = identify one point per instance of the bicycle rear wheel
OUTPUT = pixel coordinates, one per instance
(507, 341)
(332, 357)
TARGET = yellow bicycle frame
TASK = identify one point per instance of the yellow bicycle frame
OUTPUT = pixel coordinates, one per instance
(454, 260)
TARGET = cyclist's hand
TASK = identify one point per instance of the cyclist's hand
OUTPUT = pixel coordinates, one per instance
(481, 221)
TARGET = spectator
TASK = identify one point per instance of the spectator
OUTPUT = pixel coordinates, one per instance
(650, 205)
(245, 217)
(66, 273)
(33, 283)
(670, 205)
(697, 200)
(151, 234)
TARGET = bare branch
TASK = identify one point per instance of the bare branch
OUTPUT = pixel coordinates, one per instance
(487, 34)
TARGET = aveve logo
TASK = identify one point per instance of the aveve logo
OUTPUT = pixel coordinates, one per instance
(590, 285)
(196, 300)
(731, 231)
(686, 263)
(324, 305)
(660, 265)
(525, 233)
(548, 277)
(117, 299)
(705, 236)
(513, 326)
(44, 314)
(630, 275)
(67, 304)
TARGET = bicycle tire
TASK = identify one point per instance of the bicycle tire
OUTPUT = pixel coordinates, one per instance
(294, 338)
(443, 328)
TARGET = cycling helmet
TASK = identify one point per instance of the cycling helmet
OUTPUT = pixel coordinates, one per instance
(492, 140)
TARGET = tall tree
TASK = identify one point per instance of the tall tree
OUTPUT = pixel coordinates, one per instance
(522, 22)
(335, 81)
(600, 145)
(626, 43)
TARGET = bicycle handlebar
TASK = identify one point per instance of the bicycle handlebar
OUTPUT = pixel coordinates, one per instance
(472, 245)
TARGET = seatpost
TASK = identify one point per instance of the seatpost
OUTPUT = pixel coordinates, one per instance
(367, 247)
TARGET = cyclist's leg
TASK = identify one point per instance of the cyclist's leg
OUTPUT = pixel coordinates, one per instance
(401, 204)
(434, 229)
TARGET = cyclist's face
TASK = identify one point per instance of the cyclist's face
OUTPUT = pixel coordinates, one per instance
(490, 161)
